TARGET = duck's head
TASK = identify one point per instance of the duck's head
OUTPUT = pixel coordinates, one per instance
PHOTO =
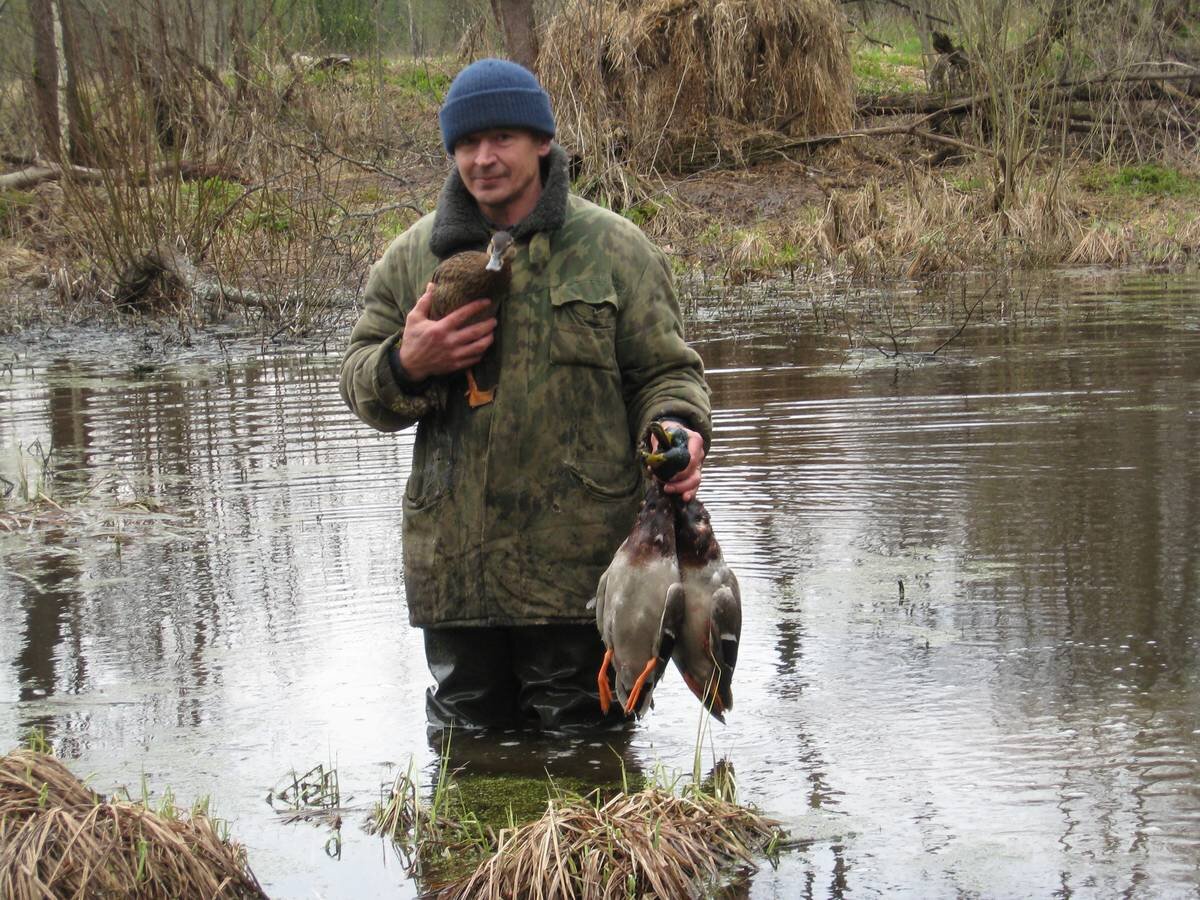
(500, 250)
(671, 456)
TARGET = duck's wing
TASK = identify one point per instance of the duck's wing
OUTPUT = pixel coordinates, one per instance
(597, 602)
(727, 616)
(672, 623)
(727, 623)
(458, 280)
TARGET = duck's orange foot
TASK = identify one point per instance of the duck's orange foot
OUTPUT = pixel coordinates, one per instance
(475, 396)
(635, 694)
(602, 682)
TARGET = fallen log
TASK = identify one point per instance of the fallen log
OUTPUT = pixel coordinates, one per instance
(32, 176)
(1086, 89)
(912, 129)
(174, 270)
(175, 273)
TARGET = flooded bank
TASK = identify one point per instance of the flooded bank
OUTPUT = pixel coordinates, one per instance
(971, 580)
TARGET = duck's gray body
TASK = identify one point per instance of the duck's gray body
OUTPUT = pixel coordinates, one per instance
(639, 603)
(706, 652)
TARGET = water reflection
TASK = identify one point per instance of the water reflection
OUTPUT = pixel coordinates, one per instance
(969, 664)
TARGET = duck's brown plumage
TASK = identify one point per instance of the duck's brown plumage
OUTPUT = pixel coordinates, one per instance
(465, 277)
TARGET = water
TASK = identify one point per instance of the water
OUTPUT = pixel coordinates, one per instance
(971, 581)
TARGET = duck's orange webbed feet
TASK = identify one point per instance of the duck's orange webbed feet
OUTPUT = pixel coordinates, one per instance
(602, 682)
(632, 702)
(475, 395)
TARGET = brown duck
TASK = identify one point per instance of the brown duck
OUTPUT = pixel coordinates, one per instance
(472, 275)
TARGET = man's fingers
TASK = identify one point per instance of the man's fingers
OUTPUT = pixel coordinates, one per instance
(425, 300)
(686, 487)
(465, 314)
(478, 331)
(472, 353)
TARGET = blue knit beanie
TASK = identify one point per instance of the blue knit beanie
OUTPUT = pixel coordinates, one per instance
(494, 93)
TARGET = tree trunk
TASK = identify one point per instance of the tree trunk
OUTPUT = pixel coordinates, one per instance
(415, 45)
(45, 77)
(517, 24)
(79, 150)
(241, 54)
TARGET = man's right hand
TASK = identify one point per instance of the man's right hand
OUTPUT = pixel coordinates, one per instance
(441, 346)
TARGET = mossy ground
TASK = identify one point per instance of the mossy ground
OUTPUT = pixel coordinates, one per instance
(501, 801)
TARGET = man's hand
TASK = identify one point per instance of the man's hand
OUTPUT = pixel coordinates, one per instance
(448, 344)
(687, 482)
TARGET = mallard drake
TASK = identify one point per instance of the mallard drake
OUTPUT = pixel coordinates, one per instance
(671, 456)
(707, 649)
(472, 275)
(639, 605)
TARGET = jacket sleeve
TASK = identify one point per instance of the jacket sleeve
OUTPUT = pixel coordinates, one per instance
(661, 375)
(372, 382)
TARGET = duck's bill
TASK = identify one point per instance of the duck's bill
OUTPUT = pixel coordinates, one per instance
(708, 695)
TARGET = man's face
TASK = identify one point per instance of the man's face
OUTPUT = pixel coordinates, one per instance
(501, 169)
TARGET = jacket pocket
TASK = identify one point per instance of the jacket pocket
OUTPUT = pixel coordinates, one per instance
(608, 483)
(424, 554)
(432, 467)
(584, 329)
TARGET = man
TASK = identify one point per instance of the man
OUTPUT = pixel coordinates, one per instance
(514, 509)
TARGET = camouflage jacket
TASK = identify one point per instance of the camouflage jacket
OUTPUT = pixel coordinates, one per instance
(513, 510)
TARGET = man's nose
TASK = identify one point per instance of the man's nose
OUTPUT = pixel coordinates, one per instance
(485, 153)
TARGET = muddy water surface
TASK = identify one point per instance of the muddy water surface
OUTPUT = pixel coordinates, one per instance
(971, 586)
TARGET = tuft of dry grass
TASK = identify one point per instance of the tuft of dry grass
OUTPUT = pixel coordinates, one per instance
(931, 226)
(661, 841)
(650, 843)
(58, 838)
(685, 84)
(1102, 245)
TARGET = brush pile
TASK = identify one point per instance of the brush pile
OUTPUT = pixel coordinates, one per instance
(684, 84)
(58, 838)
(651, 843)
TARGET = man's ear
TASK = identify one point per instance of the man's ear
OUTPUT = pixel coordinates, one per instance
(543, 144)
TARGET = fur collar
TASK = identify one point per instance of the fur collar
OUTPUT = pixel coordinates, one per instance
(459, 225)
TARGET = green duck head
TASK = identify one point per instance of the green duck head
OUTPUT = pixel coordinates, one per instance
(500, 250)
(672, 455)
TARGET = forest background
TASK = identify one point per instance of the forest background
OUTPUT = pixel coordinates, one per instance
(251, 158)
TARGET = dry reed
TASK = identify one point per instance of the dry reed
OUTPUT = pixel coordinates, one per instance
(651, 843)
(58, 838)
(931, 226)
(684, 84)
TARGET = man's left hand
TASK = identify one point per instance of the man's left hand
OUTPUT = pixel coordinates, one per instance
(687, 482)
